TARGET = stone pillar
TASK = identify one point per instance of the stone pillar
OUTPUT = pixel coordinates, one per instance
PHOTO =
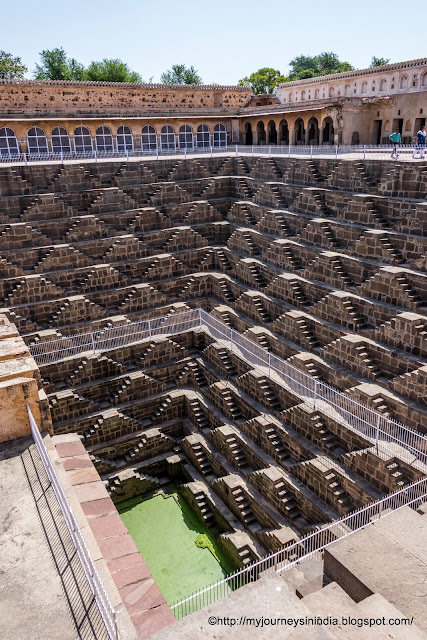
(20, 385)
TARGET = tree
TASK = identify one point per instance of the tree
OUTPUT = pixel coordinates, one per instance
(264, 80)
(56, 66)
(179, 74)
(10, 66)
(113, 70)
(324, 64)
(378, 62)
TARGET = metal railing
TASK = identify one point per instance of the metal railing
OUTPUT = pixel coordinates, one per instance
(391, 438)
(310, 546)
(104, 605)
(375, 152)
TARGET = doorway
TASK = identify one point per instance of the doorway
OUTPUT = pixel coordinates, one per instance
(378, 127)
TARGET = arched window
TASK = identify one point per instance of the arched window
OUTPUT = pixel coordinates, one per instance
(347, 90)
(302, 95)
(104, 139)
(8, 143)
(82, 140)
(124, 139)
(364, 87)
(424, 80)
(148, 138)
(167, 137)
(291, 97)
(331, 92)
(219, 136)
(60, 140)
(383, 84)
(316, 94)
(404, 82)
(185, 137)
(203, 136)
(37, 142)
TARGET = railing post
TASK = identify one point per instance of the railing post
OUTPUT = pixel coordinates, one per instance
(269, 150)
(336, 152)
(377, 433)
(269, 365)
(315, 394)
(200, 317)
(127, 155)
(25, 159)
(149, 328)
(93, 342)
(252, 149)
(364, 151)
(289, 151)
(157, 151)
(185, 152)
(231, 341)
(211, 151)
(62, 157)
(96, 156)
(311, 151)
(236, 150)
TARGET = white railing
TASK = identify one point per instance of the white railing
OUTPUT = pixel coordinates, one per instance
(310, 546)
(376, 152)
(391, 438)
(102, 600)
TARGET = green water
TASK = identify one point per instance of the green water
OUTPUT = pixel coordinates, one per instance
(165, 530)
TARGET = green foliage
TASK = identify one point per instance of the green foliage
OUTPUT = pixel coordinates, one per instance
(55, 66)
(203, 542)
(179, 74)
(10, 66)
(113, 70)
(378, 62)
(264, 80)
(325, 63)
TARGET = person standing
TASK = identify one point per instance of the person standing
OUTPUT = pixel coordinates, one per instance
(396, 140)
(420, 143)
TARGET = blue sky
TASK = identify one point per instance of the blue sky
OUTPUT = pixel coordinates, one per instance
(224, 40)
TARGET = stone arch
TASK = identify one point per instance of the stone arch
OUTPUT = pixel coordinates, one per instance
(313, 131)
(185, 137)
(60, 140)
(272, 132)
(347, 90)
(219, 136)
(167, 137)
(364, 87)
(299, 131)
(383, 84)
(148, 138)
(424, 80)
(261, 135)
(331, 92)
(404, 82)
(328, 131)
(124, 139)
(283, 132)
(302, 95)
(291, 97)
(37, 141)
(249, 139)
(83, 142)
(316, 94)
(203, 136)
(8, 142)
(104, 139)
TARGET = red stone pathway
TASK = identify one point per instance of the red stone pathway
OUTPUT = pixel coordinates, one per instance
(141, 596)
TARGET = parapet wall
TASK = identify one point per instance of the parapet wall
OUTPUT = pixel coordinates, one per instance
(92, 98)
